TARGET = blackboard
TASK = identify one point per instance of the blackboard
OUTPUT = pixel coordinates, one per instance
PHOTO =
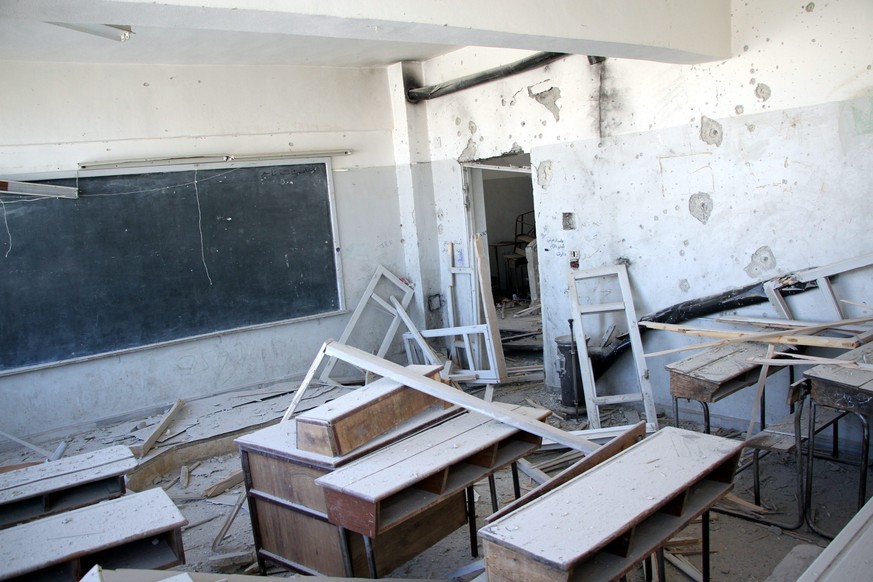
(143, 259)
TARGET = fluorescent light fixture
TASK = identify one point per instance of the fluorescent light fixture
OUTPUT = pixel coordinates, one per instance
(119, 32)
(216, 159)
(155, 162)
(31, 189)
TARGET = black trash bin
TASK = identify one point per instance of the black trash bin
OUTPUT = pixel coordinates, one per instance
(565, 372)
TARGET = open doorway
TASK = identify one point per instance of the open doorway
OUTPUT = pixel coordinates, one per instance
(502, 208)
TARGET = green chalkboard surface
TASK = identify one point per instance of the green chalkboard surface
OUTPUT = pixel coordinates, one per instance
(142, 259)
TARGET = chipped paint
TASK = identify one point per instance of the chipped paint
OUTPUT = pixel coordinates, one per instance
(763, 260)
(469, 152)
(711, 131)
(762, 91)
(544, 174)
(547, 99)
(700, 206)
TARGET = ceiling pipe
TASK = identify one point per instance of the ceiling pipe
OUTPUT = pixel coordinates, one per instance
(449, 87)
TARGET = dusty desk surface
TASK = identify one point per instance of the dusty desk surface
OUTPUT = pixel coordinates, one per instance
(59, 538)
(855, 381)
(389, 486)
(716, 372)
(583, 516)
(64, 473)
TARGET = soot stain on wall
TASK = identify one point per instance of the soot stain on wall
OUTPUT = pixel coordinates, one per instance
(608, 105)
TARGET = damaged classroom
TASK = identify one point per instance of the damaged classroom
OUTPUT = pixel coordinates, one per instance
(580, 290)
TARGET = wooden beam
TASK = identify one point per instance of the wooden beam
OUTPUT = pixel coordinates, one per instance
(798, 337)
(231, 480)
(145, 447)
(610, 449)
(439, 390)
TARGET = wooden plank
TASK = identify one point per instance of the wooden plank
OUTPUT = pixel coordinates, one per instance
(142, 449)
(770, 337)
(60, 538)
(624, 441)
(396, 372)
(231, 480)
(495, 346)
(816, 273)
(591, 510)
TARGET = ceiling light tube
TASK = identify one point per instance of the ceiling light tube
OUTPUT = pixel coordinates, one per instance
(117, 32)
(31, 189)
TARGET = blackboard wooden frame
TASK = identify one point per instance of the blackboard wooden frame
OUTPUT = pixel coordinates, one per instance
(170, 192)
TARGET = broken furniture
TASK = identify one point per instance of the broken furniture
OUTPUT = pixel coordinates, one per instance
(65, 484)
(288, 510)
(391, 488)
(473, 342)
(138, 530)
(600, 524)
(846, 389)
(593, 294)
(383, 287)
(822, 277)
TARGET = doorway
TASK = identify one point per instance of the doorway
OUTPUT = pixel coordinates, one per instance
(501, 207)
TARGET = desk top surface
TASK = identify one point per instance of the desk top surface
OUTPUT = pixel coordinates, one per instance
(411, 460)
(587, 513)
(64, 473)
(58, 538)
(829, 374)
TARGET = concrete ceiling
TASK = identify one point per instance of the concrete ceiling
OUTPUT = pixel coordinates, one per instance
(363, 33)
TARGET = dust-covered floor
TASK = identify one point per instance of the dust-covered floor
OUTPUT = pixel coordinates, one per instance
(741, 550)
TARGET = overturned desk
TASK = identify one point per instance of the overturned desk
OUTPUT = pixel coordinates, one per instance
(602, 523)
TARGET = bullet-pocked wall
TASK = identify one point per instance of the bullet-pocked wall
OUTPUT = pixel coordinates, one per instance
(703, 177)
(57, 115)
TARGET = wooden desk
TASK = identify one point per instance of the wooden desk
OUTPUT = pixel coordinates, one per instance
(64, 484)
(848, 390)
(139, 530)
(715, 373)
(597, 526)
(289, 515)
(392, 487)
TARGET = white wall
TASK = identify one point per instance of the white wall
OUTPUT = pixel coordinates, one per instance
(775, 142)
(55, 116)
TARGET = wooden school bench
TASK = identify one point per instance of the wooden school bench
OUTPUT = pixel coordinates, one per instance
(138, 530)
(599, 525)
(65, 484)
